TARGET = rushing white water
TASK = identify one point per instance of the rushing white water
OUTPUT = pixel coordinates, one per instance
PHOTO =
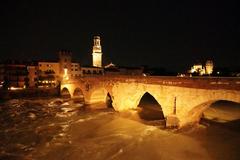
(55, 129)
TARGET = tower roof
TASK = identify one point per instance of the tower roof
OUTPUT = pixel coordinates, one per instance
(96, 37)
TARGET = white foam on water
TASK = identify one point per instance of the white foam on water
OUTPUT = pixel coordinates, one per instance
(148, 130)
(32, 115)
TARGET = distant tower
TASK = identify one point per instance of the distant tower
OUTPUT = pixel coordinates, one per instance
(65, 62)
(97, 52)
(209, 67)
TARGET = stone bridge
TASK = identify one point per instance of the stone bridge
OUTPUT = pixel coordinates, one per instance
(193, 95)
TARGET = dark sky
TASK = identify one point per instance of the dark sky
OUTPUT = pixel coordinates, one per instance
(166, 34)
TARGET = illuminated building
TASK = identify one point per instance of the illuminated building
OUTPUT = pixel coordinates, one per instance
(13, 74)
(51, 73)
(209, 67)
(32, 74)
(97, 52)
(48, 73)
(76, 70)
(49, 66)
(199, 69)
(96, 68)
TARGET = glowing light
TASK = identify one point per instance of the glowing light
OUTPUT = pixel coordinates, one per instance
(15, 88)
(65, 76)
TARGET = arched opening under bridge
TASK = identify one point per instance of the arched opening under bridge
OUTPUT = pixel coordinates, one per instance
(65, 93)
(78, 96)
(149, 109)
(222, 113)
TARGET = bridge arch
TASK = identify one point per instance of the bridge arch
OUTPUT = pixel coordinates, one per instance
(65, 93)
(196, 113)
(102, 97)
(98, 95)
(78, 95)
(156, 95)
(149, 107)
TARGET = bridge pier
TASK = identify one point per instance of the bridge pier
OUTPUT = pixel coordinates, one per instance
(172, 121)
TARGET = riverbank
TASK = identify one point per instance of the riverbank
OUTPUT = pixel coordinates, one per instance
(29, 93)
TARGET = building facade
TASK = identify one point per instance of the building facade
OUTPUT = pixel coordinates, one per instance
(200, 69)
(13, 75)
(48, 74)
(32, 75)
(76, 70)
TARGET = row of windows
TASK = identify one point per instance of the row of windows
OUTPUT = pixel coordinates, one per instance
(75, 69)
(93, 72)
(76, 65)
(48, 65)
(75, 75)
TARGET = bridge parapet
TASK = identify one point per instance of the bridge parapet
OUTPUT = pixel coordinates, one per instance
(230, 83)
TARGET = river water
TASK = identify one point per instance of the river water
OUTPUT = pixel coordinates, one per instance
(53, 129)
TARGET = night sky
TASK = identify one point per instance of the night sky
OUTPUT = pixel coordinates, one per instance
(165, 34)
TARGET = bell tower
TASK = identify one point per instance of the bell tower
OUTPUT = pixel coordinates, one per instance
(97, 52)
